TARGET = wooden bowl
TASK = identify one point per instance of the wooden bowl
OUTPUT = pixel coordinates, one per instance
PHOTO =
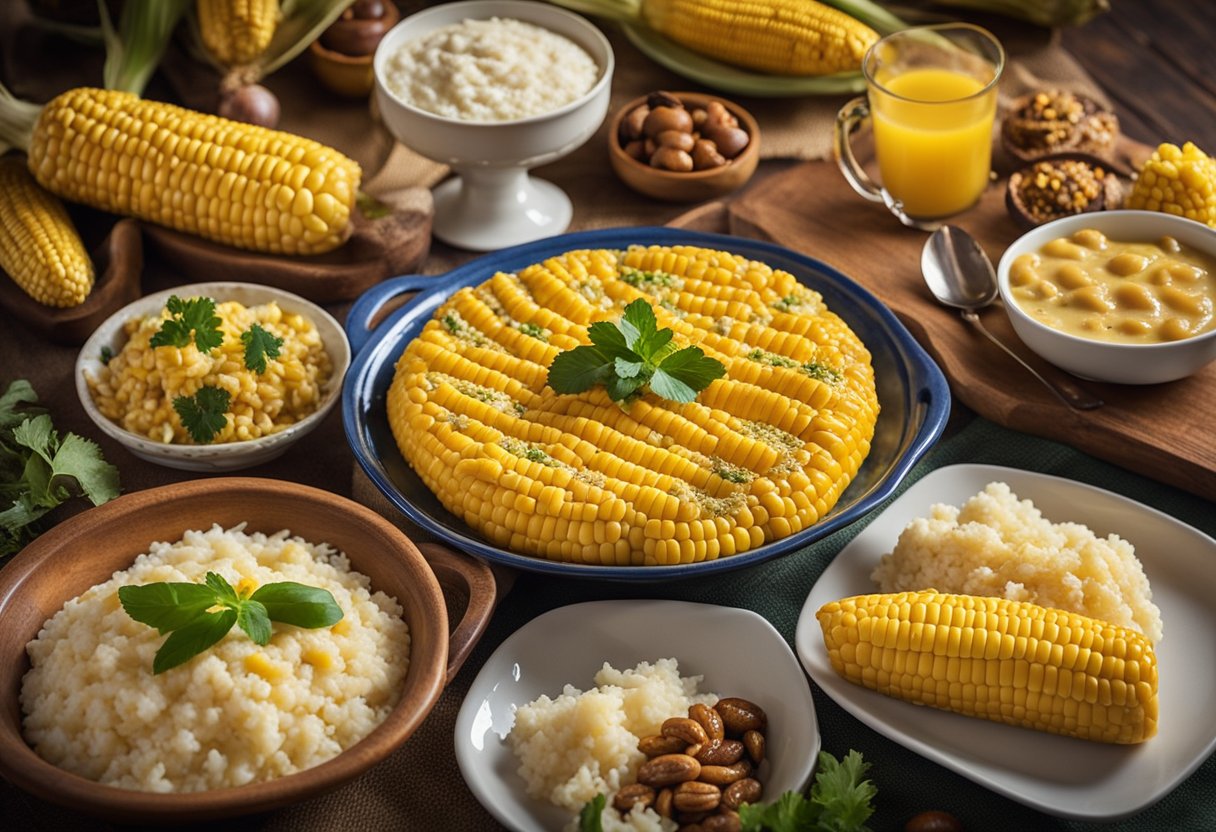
(88, 548)
(348, 75)
(694, 186)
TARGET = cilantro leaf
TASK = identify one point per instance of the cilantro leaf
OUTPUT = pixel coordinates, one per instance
(80, 461)
(203, 414)
(18, 403)
(611, 340)
(685, 372)
(259, 345)
(192, 319)
(789, 813)
(589, 818)
(298, 604)
(167, 606)
(579, 369)
(840, 801)
(630, 354)
(841, 793)
(38, 471)
(186, 642)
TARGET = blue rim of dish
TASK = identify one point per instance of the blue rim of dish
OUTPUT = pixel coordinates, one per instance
(925, 393)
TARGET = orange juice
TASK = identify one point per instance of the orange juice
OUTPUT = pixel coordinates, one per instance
(933, 140)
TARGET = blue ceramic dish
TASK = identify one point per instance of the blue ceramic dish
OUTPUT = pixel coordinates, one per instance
(912, 392)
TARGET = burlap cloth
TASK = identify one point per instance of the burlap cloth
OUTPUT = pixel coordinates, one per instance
(419, 787)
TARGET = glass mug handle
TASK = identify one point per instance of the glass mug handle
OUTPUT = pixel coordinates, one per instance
(847, 120)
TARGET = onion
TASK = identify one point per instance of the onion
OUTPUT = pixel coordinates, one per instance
(251, 103)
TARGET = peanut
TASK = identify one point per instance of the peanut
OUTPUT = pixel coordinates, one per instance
(709, 720)
(753, 741)
(721, 753)
(686, 729)
(669, 769)
(658, 745)
(747, 790)
(740, 716)
(632, 794)
(695, 796)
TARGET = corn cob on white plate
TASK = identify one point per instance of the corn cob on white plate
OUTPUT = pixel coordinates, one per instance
(737, 652)
(1059, 775)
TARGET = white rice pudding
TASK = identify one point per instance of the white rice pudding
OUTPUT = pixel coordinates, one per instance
(236, 713)
(490, 70)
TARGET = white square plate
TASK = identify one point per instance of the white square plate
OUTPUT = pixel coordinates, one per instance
(737, 651)
(1063, 776)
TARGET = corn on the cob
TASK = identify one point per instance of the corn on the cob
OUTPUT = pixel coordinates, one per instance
(1180, 181)
(1006, 661)
(237, 31)
(39, 247)
(783, 37)
(763, 453)
(234, 183)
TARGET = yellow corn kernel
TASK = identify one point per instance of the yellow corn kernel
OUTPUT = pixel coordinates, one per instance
(785, 37)
(1177, 180)
(578, 478)
(39, 247)
(68, 157)
(237, 31)
(1062, 680)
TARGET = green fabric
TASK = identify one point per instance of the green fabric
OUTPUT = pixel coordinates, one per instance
(907, 783)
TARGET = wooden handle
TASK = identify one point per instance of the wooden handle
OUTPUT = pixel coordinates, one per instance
(474, 578)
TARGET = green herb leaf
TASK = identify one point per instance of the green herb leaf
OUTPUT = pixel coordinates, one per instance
(182, 609)
(107, 355)
(188, 641)
(203, 414)
(579, 369)
(611, 340)
(682, 374)
(259, 345)
(589, 817)
(299, 605)
(841, 793)
(839, 802)
(167, 606)
(221, 590)
(252, 618)
(631, 353)
(194, 318)
(38, 471)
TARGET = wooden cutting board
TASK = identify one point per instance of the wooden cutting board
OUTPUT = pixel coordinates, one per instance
(1163, 431)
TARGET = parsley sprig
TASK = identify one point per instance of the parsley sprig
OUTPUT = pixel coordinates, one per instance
(191, 319)
(203, 415)
(39, 470)
(259, 345)
(197, 616)
(628, 355)
(839, 801)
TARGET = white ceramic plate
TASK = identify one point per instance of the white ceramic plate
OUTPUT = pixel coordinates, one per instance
(737, 651)
(1063, 776)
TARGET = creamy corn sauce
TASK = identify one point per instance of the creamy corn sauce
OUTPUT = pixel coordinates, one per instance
(1132, 292)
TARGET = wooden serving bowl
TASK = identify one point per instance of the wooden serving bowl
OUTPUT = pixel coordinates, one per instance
(693, 186)
(87, 549)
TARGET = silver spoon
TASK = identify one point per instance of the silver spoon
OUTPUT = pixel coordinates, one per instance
(959, 274)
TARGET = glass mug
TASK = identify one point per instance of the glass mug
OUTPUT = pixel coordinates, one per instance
(931, 97)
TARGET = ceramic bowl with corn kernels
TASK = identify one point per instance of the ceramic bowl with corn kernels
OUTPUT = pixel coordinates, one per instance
(1127, 297)
(212, 377)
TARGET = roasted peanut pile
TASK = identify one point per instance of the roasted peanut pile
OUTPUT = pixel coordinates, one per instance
(701, 768)
(665, 134)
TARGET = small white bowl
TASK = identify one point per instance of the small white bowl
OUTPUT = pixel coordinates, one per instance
(1100, 360)
(227, 456)
(737, 652)
(493, 203)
